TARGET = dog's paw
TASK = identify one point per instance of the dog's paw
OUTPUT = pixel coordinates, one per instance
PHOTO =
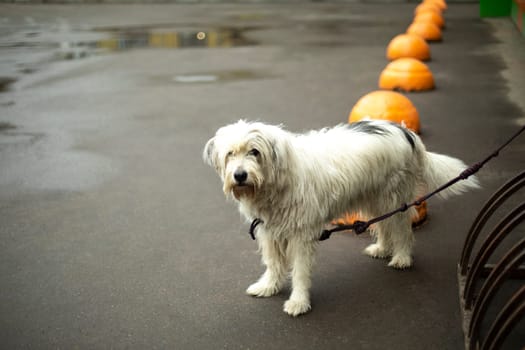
(261, 290)
(296, 307)
(376, 251)
(400, 261)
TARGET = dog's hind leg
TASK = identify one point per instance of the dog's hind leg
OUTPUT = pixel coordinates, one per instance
(402, 238)
(301, 254)
(273, 257)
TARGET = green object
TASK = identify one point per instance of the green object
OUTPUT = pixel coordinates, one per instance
(494, 8)
(518, 15)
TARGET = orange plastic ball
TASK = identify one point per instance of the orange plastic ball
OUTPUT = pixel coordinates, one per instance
(427, 30)
(421, 215)
(347, 219)
(427, 6)
(406, 74)
(430, 16)
(408, 45)
(417, 220)
(439, 3)
(386, 105)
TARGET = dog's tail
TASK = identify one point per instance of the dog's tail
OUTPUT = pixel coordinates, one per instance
(440, 169)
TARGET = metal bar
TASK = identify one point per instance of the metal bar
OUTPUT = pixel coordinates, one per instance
(499, 274)
(493, 240)
(511, 314)
(491, 205)
(517, 274)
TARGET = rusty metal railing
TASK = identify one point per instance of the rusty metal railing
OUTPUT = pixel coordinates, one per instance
(480, 282)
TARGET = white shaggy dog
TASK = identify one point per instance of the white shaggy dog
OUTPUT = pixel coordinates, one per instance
(296, 184)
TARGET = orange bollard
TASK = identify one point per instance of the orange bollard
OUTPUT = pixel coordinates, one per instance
(439, 3)
(408, 45)
(406, 74)
(427, 6)
(430, 16)
(386, 105)
(426, 30)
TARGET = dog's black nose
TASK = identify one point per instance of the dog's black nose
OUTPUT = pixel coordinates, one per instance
(240, 176)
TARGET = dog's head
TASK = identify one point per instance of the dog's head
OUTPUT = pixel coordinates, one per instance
(246, 157)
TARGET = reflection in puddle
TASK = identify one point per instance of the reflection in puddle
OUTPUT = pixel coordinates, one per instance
(158, 38)
(222, 76)
(198, 78)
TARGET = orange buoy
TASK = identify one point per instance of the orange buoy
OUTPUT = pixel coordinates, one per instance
(408, 45)
(386, 105)
(427, 6)
(430, 16)
(427, 30)
(347, 219)
(439, 3)
(406, 74)
(419, 217)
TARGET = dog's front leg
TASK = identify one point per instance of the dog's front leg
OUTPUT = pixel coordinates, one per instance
(273, 258)
(301, 254)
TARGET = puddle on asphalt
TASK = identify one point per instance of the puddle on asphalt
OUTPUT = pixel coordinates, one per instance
(222, 76)
(5, 82)
(72, 45)
(11, 138)
(7, 104)
(6, 126)
(130, 38)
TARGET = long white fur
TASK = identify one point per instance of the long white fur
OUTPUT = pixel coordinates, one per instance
(297, 183)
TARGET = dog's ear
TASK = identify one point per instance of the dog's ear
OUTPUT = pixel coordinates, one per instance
(209, 154)
(280, 154)
(273, 142)
(273, 147)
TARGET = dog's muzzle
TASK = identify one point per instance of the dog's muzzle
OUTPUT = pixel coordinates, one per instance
(240, 176)
(243, 187)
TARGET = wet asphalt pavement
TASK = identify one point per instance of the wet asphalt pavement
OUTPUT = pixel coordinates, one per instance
(114, 234)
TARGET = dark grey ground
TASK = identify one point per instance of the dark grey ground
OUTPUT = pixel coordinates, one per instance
(114, 234)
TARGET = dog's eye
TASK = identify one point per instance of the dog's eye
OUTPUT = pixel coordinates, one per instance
(254, 152)
(229, 154)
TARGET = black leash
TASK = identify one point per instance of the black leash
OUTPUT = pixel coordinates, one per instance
(361, 226)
